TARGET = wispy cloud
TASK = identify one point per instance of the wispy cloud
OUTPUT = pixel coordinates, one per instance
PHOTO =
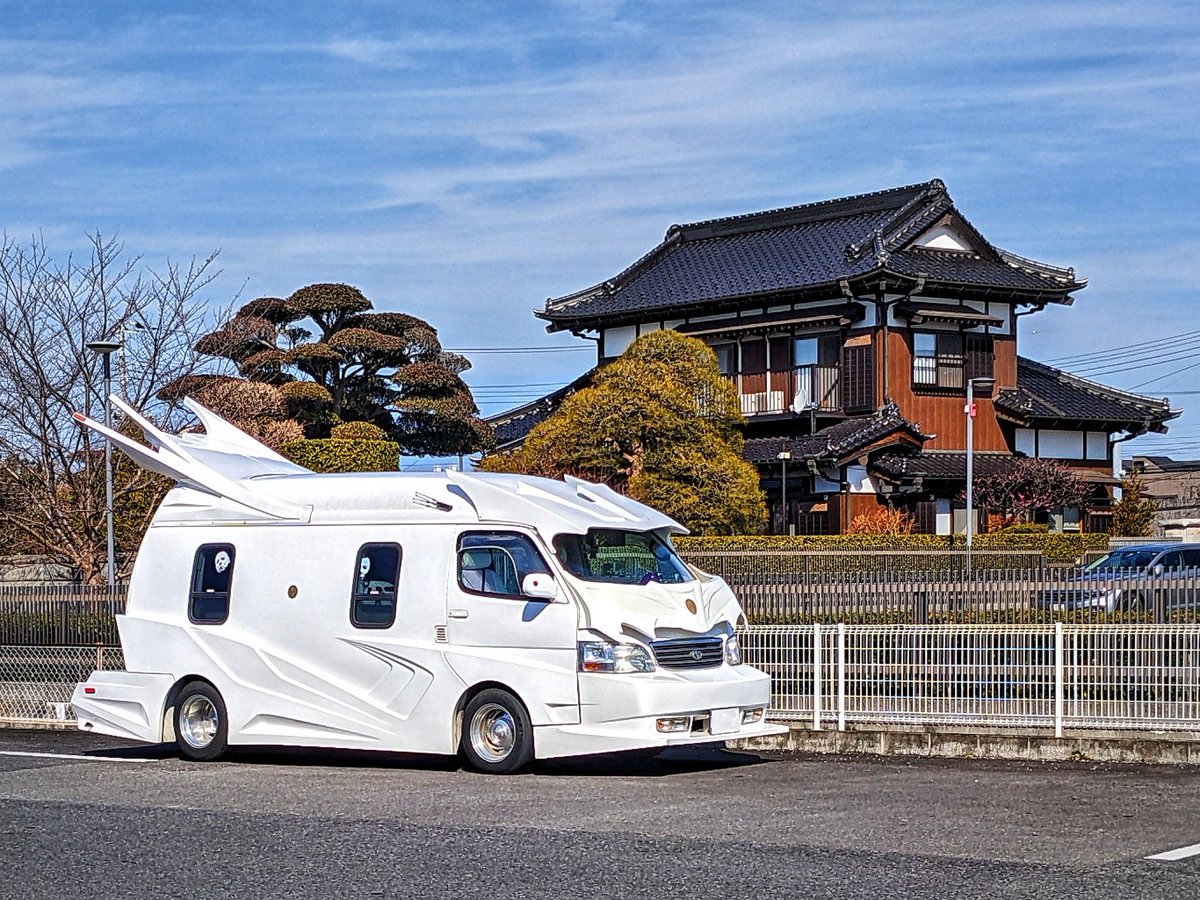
(466, 161)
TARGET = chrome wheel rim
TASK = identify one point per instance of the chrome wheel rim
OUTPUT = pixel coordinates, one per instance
(198, 721)
(493, 732)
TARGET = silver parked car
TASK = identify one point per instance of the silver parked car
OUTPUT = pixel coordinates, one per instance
(1130, 579)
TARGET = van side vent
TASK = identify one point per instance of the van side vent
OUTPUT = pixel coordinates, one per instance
(431, 503)
(439, 634)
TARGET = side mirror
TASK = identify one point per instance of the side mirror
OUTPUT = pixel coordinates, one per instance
(539, 586)
(1157, 570)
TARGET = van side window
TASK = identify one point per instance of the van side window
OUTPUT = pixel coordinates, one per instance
(212, 577)
(496, 562)
(1191, 557)
(376, 576)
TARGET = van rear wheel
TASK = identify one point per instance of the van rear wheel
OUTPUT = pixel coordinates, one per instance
(497, 737)
(201, 723)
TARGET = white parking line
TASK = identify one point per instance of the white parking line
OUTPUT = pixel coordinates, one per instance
(120, 759)
(1180, 853)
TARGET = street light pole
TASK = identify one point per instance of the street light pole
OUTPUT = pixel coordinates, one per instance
(783, 458)
(106, 349)
(983, 384)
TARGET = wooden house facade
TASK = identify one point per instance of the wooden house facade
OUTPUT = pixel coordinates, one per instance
(851, 328)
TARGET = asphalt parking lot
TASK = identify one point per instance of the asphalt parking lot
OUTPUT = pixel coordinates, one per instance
(86, 816)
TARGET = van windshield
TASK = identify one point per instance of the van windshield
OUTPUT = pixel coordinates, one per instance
(620, 557)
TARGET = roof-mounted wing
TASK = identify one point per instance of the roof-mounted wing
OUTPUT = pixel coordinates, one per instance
(218, 462)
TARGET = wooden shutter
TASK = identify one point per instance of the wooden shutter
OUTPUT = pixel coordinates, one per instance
(981, 356)
(858, 378)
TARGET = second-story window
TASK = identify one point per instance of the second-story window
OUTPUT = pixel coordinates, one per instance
(938, 360)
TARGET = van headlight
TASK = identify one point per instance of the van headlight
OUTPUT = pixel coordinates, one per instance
(733, 650)
(604, 656)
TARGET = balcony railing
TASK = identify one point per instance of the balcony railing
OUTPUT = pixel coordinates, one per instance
(939, 371)
(796, 390)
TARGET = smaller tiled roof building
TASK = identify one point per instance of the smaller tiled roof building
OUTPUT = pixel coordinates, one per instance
(852, 329)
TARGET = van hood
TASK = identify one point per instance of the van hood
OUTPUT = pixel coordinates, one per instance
(652, 609)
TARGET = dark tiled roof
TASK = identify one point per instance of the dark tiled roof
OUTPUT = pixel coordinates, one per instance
(1046, 393)
(953, 267)
(514, 425)
(805, 248)
(939, 465)
(1166, 464)
(837, 441)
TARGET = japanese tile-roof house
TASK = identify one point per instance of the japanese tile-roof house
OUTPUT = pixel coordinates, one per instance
(851, 328)
(1174, 486)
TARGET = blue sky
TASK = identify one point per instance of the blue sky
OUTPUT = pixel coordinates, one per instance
(464, 161)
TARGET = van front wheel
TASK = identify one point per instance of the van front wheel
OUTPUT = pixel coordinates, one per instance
(201, 723)
(497, 737)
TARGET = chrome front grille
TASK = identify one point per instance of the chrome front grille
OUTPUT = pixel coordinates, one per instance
(688, 653)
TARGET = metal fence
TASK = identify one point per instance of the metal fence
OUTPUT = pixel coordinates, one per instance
(66, 615)
(791, 590)
(1134, 677)
(36, 682)
(1143, 677)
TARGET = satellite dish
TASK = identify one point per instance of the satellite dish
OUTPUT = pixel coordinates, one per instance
(803, 399)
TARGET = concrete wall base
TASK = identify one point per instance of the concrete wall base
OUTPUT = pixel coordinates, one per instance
(1171, 748)
(40, 724)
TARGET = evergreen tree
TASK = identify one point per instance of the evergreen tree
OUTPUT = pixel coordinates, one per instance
(661, 425)
(1133, 514)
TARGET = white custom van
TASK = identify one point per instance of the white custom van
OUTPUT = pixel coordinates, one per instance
(508, 617)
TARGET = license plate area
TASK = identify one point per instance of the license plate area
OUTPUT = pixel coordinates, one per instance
(725, 721)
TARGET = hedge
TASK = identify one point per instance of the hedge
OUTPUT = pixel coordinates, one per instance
(904, 616)
(779, 555)
(333, 455)
(1056, 547)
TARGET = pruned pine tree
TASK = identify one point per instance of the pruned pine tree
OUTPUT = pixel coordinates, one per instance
(322, 357)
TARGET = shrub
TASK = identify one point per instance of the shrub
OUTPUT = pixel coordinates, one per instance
(358, 431)
(332, 455)
(883, 520)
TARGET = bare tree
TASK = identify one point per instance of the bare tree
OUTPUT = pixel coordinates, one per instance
(52, 472)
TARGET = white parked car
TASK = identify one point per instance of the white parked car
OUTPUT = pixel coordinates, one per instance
(505, 616)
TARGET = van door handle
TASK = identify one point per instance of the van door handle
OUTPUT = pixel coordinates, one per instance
(458, 614)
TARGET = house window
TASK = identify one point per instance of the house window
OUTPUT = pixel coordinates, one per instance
(726, 358)
(212, 577)
(938, 360)
(1065, 519)
(817, 351)
(376, 575)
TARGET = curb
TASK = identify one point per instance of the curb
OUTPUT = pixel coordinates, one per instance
(1159, 747)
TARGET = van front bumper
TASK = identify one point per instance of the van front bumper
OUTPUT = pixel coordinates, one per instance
(622, 712)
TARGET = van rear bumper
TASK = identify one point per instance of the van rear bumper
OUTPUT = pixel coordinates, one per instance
(122, 704)
(621, 712)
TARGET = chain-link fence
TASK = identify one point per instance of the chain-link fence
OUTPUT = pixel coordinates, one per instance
(36, 683)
